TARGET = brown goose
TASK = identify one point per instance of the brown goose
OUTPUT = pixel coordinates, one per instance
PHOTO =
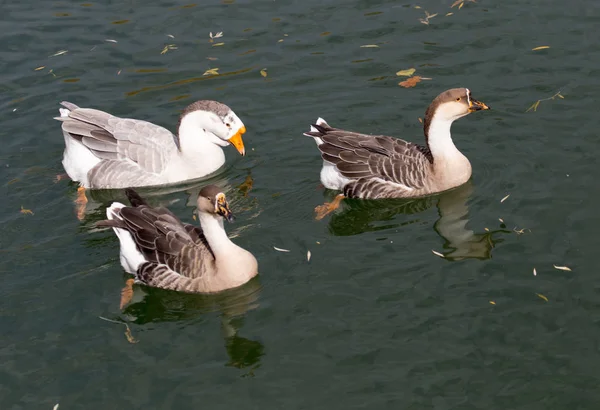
(163, 252)
(373, 166)
(104, 151)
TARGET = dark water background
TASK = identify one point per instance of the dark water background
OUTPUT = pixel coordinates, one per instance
(374, 320)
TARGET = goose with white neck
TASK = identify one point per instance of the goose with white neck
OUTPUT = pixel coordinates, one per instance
(163, 252)
(373, 167)
(104, 151)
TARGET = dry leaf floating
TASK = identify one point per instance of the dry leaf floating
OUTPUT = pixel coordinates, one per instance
(565, 268)
(263, 72)
(542, 297)
(410, 82)
(441, 255)
(540, 48)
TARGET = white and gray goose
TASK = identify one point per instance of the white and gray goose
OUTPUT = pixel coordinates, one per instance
(104, 151)
(374, 166)
(163, 252)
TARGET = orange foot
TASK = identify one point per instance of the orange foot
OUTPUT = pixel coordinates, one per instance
(60, 177)
(126, 293)
(246, 186)
(328, 207)
(80, 203)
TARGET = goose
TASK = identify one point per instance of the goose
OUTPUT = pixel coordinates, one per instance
(375, 166)
(163, 252)
(107, 152)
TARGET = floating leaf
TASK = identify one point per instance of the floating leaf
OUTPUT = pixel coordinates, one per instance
(263, 72)
(168, 47)
(449, 14)
(562, 268)
(212, 71)
(505, 198)
(170, 35)
(218, 44)
(410, 82)
(55, 407)
(370, 46)
(280, 249)
(406, 73)
(492, 302)
(456, 3)
(542, 296)
(501, 220)
(59, 53)
(40, 68)
(308, 256)
(25, 211)
(540, 48)
(110, 40)
(128, 335)
(441, 255)
(534, 272)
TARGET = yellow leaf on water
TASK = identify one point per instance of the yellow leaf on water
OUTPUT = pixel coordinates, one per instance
(542, 296)
(25, 211)
(212, 71)
(505, 198)
(559, 95)
(370, 46)
(218, 44)
(534, 106)
(492, 302)
(562, 268)
(263, 72)
(449, 14)
(406, 73)
(540, 48)
(40, 68)
(456, 3)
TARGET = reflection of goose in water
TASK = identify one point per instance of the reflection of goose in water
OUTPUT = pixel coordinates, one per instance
(157, 305)
(461, 242)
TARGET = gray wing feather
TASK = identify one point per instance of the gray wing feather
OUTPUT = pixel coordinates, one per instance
(379, 166)
(134, 147)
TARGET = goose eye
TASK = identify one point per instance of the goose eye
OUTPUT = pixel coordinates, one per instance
(228, 125)
(458, 99)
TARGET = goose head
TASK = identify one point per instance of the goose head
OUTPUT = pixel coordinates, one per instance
(212, 201)
(454, 104)
(216, 121)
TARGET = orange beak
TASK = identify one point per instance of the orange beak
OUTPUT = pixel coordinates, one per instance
(237, 141)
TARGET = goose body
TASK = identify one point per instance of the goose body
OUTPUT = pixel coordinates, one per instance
(163, 252)
(105, 151)
(375, 166)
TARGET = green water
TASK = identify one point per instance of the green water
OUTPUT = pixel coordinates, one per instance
(374, 320)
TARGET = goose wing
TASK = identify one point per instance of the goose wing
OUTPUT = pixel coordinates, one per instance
(132, 149)
(373, 159)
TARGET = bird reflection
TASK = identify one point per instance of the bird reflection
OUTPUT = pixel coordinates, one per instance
(159, 305)
(361, 216)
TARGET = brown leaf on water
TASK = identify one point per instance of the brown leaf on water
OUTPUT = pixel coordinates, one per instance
(540, 48)
(129, 336)
(25, 211)
(410, 82)
(542, 296)
(263, 72)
